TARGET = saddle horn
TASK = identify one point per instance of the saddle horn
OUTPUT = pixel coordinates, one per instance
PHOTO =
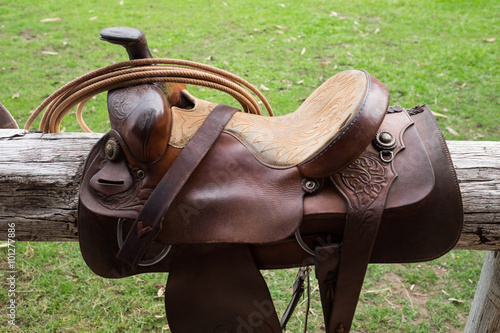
(135, 43)
(133, 40)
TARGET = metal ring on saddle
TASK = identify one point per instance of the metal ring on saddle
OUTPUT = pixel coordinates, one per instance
(302, 244)
(385, 141)
(148, 262)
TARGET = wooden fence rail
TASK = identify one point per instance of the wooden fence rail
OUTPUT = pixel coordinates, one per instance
(39, 179)
(39, 176)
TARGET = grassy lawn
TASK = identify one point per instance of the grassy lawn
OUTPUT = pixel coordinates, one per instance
(440, 53)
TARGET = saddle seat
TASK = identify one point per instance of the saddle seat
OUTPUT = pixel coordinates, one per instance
(327, 132)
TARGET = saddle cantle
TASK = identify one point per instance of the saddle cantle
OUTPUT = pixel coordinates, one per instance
(211, 195)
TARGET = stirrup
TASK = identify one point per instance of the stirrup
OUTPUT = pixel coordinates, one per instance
(143, 262)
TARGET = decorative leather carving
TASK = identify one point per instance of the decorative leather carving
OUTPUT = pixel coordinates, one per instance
(187, 121)
(289, 140)
(364, 181)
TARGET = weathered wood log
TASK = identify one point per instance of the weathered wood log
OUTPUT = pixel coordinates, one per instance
(39, 179)
(484, 314)
(39, 176)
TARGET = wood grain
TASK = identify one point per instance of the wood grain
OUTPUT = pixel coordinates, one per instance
(39, 175)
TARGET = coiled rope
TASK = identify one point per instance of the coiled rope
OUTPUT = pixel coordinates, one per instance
(140, 71)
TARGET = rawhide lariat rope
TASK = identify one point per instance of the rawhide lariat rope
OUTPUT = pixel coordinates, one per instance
(141, 71)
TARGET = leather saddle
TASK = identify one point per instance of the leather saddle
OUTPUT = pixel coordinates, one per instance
(212, 195)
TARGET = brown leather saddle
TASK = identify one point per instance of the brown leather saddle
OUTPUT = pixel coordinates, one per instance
(211, 195)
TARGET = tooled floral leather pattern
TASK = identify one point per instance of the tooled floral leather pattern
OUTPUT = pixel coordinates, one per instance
(365, 184)
(289, 140)
(186, 122)
(124, 101)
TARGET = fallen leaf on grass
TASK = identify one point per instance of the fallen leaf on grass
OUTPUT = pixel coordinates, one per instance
(50, 52)
(93, 18)
(452, 131)
(281, 5)
(489, 40)
(161, 291)
(4, 244)
(463, 85)
(159, 316)
(333, 14)
(16, 95)
(263, 87)
(437, 114)
(282, 27)
(54, 19)
(475, 135)
(376, 31)
(454, 300)
(30, 253)
(303, 51)
(375, 291)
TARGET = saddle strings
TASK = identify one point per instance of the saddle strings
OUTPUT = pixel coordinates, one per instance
(140, 71)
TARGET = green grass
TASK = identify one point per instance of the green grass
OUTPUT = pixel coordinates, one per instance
(57, 292)
(435, 52)
(432, 52)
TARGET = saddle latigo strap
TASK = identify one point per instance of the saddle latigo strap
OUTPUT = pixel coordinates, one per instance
(148, 223)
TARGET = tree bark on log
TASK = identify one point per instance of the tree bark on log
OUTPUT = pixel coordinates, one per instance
(484, 314)
(39, 179)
